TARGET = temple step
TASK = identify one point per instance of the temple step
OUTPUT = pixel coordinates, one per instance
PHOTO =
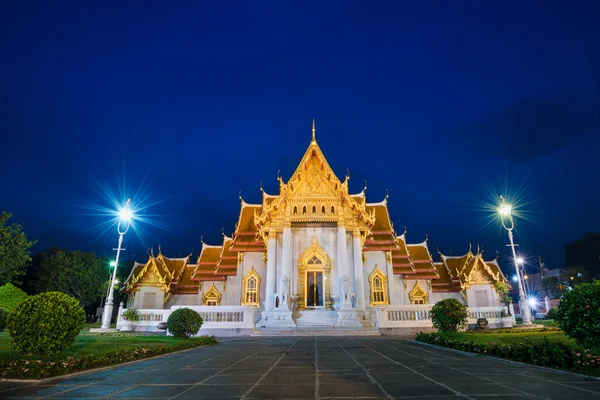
(316, 332)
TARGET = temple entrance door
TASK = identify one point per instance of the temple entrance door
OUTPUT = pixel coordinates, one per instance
(314, 289)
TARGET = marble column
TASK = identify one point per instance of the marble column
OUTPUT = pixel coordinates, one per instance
(342, 265)
(286, 269)
(358, 270)
(271, 270)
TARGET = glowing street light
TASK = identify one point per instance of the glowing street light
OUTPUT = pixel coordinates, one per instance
(515, 278)
(125, 217)
(532, 302)
(505, 211)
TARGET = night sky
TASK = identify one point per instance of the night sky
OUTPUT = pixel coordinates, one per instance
(446, 104)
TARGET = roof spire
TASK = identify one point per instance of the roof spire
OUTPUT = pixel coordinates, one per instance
(313, 132)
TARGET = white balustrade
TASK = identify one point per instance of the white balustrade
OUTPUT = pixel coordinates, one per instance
(224, 317)
(149, 319)
(419, 315)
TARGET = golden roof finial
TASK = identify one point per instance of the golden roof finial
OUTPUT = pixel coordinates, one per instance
(365, 188)
(261, 188)
(159, 250)
(313, 132)
(240, 195)
(201, 240)
(469, 247)
(387, 194)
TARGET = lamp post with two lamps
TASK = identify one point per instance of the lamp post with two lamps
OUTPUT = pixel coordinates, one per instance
(125, 216)
(505, 211)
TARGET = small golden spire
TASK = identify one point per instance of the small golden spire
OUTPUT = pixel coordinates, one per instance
(313, 132)
(261, 188)
(365, 188)
(201, 240)
(387, 194)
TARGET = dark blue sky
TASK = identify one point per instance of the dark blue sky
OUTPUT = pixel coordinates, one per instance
(446, 104)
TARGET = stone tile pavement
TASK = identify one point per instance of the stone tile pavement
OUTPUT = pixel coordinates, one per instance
(316, 368)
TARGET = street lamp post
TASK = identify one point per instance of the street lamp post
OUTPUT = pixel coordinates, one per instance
(505, 211)
(111, 265)
(125, 216)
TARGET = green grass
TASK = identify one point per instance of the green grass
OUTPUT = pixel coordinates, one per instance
(89, 344)
(510, 338)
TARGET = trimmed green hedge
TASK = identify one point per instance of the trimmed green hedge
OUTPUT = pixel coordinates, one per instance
(184, 322)
(449, 315)
(46, 323)
(10, 297)
(557, 355)
(38, 369)
(514, 330)
(579, 314)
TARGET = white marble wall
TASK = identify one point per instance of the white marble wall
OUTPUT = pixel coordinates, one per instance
(182, 300)
(158, 301)
(492, 296)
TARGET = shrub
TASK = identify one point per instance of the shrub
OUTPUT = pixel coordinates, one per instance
(131, 314)
(46, 323)
(3, 316)
(10, 297)
(579, 313)
(184, 322)
(25, 368)
(449, 315)
(545, 353)
(552, 314)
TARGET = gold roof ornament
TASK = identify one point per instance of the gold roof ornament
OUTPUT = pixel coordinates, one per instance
(314, 140)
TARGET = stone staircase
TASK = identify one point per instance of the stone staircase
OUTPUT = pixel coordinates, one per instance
(315, 319)
(317, 322)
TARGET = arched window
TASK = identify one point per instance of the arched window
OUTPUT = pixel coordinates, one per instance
(377, 284)
(251, 289)
(332, 209)
(295, 210)
(304, 210)
(323, 209)
(314, 209)
(212, 297)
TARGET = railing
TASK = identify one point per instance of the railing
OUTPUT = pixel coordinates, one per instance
(419, 315)
(149, 319)
(224, 317)
(404, 316)
(213, 317)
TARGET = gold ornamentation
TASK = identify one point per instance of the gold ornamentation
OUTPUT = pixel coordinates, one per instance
(212, 297)
(314, 258)
(251, 288)
(417, 295)
(378, 286)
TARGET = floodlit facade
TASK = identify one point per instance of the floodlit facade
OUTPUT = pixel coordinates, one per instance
(313, 257)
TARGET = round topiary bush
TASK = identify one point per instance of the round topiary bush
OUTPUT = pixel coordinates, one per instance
(552, 314)
(3, 316)
(184, 322)
(449, 315)
(46, 323)
(579, 313)
(10, 297)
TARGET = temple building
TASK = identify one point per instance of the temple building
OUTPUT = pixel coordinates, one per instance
(315, 255)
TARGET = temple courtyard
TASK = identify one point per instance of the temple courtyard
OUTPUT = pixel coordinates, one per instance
(315, 367)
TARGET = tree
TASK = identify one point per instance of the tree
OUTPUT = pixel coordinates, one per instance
(14, 250)
(585, 252)
(552, 287)
(574, 275)
(78, 274)
(503, 288)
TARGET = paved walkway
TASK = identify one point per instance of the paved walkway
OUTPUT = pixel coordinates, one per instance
(319, 368)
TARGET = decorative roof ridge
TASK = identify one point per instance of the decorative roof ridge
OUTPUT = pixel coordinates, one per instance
(135, 264)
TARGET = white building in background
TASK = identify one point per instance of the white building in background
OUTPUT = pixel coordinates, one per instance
(313, 257)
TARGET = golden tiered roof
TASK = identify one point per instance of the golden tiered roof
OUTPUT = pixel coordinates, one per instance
(314, 194)
(167, 273)
(206, 266)
(458, 272)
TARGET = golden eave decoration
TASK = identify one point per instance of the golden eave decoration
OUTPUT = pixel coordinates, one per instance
(313, 194)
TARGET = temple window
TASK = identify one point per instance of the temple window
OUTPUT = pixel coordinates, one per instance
(377, 284)
(251, 288)
(323, 209)
(295, 210)
(212, 297)
(332, 209)
(314, 209)
(304, 210)
(417, 295)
